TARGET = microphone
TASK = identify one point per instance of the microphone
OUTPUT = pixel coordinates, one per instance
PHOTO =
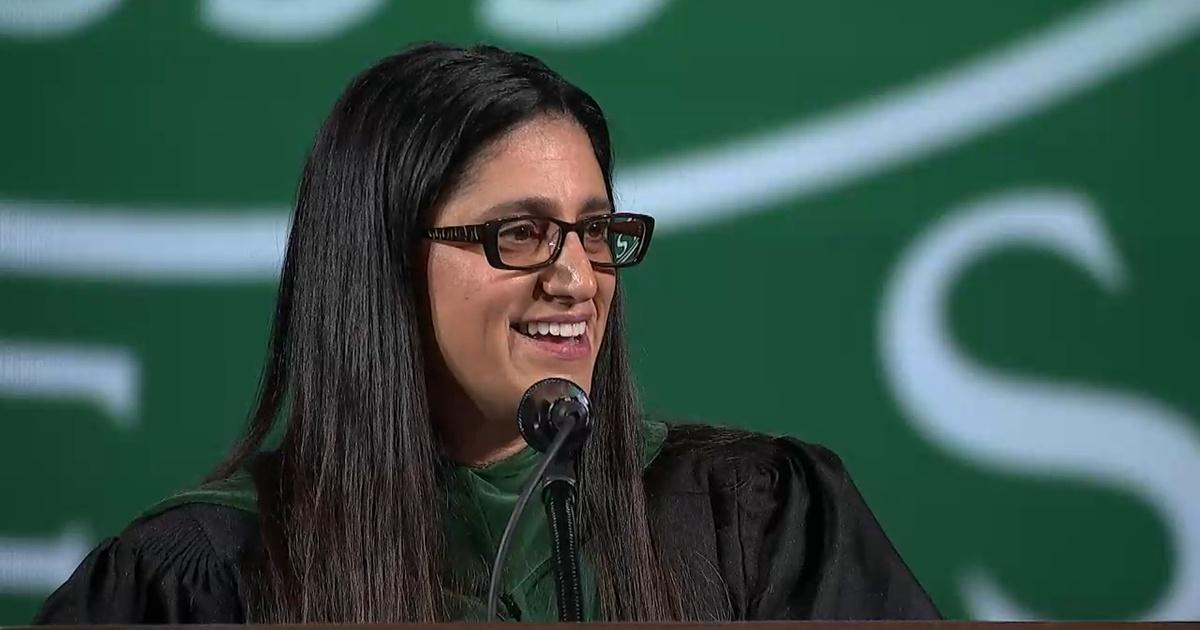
(554, 417)
(545, 410)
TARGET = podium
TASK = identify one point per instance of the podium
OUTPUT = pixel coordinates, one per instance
(748, 625)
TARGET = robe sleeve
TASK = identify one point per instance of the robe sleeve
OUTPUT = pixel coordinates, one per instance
(162, 570)
(812, 549)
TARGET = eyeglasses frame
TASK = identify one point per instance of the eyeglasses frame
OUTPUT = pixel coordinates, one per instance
(487, 233)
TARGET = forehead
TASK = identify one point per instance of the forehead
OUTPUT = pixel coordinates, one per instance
(547, 158)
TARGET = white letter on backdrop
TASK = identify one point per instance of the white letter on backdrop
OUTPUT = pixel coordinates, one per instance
(1009, 422)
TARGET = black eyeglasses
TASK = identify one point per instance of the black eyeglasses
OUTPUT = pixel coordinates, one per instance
(619, 239)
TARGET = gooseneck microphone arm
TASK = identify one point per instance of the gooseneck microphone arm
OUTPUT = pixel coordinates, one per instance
(559, 496)
(560, 499)
(515, 517)
(554, 417)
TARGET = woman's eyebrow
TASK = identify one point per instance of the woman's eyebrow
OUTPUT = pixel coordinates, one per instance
(539, 206)
(596, 204)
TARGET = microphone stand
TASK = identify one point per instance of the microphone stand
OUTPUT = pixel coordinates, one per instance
(559, 495)
(551, 457)
(554, 417)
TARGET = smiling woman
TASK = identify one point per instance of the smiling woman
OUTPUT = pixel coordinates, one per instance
(477, 311)
(455, 240)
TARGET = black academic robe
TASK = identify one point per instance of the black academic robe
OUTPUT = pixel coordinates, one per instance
(767, 528)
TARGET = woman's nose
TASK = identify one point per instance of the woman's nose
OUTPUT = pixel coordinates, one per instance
(571, 276)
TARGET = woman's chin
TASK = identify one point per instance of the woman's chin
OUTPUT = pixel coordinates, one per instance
(532, 371)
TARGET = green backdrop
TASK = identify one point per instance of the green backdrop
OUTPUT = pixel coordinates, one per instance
(954, 241)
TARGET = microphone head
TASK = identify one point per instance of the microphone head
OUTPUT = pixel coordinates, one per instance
(543, 410)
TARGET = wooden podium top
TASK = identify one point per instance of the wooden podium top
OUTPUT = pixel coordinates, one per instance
(765, 625)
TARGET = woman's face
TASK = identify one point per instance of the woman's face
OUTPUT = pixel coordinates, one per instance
(479, 315)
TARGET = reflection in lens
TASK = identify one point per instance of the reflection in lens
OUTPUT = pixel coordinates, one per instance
(625, 238)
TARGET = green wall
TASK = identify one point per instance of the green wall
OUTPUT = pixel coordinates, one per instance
(954, 241)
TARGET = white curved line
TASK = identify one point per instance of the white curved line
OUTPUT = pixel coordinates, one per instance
(45, 19)
(568, 22)
(36, 566)
(79, 240)
(286, 20)
(800, 159)
(817, 155)
(109, 377)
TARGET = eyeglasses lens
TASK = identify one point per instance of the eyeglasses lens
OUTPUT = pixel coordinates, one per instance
(609, 241)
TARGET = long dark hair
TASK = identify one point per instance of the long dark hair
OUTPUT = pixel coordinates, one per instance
(354, 525)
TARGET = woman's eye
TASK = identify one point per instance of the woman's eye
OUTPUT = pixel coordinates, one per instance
(519, 232)
(597, 231)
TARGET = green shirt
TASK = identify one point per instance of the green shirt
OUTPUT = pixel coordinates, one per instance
(480, 501)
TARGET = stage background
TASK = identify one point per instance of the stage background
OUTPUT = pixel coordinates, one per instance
(954, 241)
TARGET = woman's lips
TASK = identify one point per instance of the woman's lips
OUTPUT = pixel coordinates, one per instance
(565, 348)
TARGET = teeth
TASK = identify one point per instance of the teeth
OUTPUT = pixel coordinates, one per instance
(558, 330)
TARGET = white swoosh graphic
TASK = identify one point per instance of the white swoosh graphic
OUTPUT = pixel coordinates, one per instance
(107, 376)
(101, 242)
(41, 19)
(795, 161)
(36, 566)
(818, 155)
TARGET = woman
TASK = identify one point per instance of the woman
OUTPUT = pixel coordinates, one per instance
(455, 241)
